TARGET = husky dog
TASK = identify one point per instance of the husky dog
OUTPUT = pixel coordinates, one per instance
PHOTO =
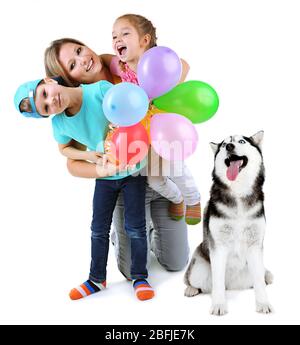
(231, 254)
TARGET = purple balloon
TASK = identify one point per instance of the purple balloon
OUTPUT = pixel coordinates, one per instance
(173, 136)
(158, 71)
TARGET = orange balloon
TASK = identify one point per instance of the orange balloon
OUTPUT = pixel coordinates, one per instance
(108, 144)
(147, 119)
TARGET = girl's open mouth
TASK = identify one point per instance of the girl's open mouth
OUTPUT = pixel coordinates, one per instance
(122, 50)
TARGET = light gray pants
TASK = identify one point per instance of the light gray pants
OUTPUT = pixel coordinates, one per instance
(177, 185)
(172, 179)
(168, 240)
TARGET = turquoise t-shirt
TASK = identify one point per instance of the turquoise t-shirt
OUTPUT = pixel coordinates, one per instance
(89, 126)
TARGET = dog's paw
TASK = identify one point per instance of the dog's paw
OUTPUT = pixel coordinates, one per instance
(269, 278)
(264, 308)
(191, 291)
(219, 309)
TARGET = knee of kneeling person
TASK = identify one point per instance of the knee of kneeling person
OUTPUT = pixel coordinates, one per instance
(156, 182)
(175, 265)
(125, 272)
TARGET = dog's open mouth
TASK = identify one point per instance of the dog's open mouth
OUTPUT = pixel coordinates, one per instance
(235, 164)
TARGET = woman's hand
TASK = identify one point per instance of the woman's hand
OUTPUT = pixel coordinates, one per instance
(93, 156)
(105, 160)
(76, 151)
(109, 169)
(185, 70)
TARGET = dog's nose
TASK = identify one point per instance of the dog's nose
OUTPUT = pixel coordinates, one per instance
(230, 147)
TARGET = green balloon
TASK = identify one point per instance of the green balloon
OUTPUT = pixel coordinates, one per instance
(193, 99)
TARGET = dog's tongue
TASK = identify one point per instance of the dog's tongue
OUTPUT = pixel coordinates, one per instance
(233, 170)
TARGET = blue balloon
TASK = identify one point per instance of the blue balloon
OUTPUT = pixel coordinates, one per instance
(125, 104)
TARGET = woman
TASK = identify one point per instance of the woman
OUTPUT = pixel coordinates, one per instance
(76, 63)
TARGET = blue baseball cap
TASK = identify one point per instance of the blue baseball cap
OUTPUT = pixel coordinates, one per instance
(27, 90)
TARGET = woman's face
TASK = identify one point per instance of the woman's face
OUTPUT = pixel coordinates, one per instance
(80, 63)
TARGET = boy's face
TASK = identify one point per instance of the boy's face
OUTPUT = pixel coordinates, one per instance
(127, 43)
(50, 98)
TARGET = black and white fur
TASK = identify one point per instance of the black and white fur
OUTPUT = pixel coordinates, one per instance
(231, 254)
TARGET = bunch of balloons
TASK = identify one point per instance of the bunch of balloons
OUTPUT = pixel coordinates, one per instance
(172, 132)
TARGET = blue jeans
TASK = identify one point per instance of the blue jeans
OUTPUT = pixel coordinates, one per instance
(105, 198)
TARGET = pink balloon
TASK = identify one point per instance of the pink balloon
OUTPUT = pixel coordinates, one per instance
(173, 136)
(158, 71)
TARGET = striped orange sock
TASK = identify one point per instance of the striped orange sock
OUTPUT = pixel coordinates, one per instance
(143, 289)
(193, 214)
(176, 211)
(85, 289)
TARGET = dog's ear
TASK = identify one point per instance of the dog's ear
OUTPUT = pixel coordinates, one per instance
(214, 147)
(258, 138)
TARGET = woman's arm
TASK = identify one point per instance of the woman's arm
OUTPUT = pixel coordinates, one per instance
(106, 59)
(77, 164)
(92, 170)
(83, 169)
(70, 151)
(185, 70)
(78, 145)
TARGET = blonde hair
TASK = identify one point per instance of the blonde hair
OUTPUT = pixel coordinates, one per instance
(142, 25)
(53, 67)
(25, 106)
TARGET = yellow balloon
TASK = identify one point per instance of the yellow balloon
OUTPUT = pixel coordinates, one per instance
(147, 119)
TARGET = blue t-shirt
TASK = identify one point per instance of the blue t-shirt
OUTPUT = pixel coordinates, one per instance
(89, 126)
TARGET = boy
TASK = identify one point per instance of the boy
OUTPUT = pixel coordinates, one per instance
(80, 117)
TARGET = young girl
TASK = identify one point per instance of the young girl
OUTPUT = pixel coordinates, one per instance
(132, 36)
(80, 117)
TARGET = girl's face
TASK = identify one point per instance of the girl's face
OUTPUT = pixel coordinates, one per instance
(50, 98)
(127, 43)
(80, 63)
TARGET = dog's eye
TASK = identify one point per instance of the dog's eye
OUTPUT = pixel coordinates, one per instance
(224, 144)
(242, 141)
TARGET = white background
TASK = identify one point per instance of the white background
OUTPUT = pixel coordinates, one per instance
(249, 52)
